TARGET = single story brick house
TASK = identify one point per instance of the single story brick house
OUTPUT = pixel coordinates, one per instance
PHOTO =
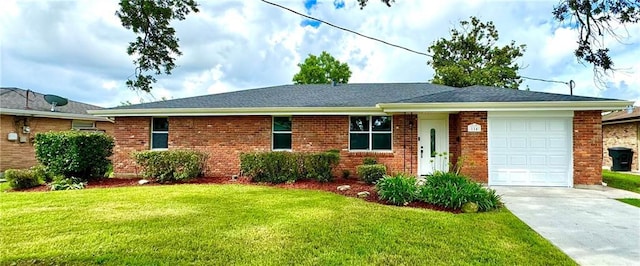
(506, 137)
(24, 113)
(621, 129)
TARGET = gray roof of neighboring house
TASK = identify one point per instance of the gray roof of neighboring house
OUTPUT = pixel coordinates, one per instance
(16, 99)
(356, 95)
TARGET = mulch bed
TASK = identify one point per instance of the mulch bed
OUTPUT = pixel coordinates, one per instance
(356, 186)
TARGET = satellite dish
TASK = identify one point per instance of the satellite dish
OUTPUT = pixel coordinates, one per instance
(55, 100)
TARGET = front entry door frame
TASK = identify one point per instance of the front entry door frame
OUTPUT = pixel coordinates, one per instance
(433, 128)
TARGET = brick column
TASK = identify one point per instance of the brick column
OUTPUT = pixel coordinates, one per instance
(473, 146)
(587, 147)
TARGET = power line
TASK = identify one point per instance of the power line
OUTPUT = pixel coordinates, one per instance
(382, 41)
(546, 80)
(345, 29)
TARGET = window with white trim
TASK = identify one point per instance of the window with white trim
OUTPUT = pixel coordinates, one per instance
(82, 124)
(159, 133)
(370, 133)
(281, 131)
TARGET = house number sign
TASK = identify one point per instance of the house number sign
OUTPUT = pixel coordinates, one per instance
(474, 128)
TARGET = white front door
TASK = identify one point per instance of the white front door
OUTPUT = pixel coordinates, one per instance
(433, 146)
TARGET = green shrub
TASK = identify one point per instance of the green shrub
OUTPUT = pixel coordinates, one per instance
(71, 183)
(281, 167)
(74, 153)
(271, 167)
(21, 178)
(398, 190)
(369, 161)
(319, 166)
(371, 173)
(171, 165)
(451, 191)
(42, 173)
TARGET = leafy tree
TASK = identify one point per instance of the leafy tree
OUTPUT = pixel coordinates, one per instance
(156, 44)
(471, 57)
(595, 20)
(322, 69)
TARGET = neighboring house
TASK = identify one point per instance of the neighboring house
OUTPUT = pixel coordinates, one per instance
(23, 113)
(621, 129)
(506, 137)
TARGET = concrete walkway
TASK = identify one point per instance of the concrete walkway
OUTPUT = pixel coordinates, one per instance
(586, 224)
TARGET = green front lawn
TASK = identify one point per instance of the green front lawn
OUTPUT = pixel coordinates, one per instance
(4, 186)
(634, 202)
(236, 224)
(624, 181)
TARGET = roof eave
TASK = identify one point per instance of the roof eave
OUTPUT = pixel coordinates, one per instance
(239, 111)
(504, 106)
(58, 115)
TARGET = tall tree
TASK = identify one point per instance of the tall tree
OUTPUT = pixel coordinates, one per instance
(322, 69)
(595, 20)
(471, 57)
(156, 45)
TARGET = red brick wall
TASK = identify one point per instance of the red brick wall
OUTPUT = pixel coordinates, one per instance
(473, 146)
(131, 134)
(16, 154)
(454, 138)
(587, 147)
(225, 138)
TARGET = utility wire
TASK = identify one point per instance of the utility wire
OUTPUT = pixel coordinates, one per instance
(382, 41)
(345, 29)
(545, 80)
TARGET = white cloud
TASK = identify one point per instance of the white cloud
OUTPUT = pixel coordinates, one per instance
(78, 48)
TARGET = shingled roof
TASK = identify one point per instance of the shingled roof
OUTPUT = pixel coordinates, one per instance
(356, 95)
(22, 102)
(622, 115)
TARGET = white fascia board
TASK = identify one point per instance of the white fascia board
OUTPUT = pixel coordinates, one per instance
(59, 115)
(504, 106)
(285, 111)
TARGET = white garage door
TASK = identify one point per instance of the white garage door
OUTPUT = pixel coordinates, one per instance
(527, 150)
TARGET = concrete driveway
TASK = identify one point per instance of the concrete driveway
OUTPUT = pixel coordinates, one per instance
(586, 224)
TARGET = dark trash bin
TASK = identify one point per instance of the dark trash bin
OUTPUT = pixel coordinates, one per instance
(622, 158)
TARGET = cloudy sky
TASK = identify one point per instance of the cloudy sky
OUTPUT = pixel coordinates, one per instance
(77, 49)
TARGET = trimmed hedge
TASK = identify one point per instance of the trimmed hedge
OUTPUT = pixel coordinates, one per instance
(42, 173)
(452, 191)
(74, 153)
(170, 165)
(371, 173)
(271, 167)
(319, 166)
(280, 167)
(21, 178)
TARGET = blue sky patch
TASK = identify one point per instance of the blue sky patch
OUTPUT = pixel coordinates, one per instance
(338, 4)
(309, 4)
(309, 22)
